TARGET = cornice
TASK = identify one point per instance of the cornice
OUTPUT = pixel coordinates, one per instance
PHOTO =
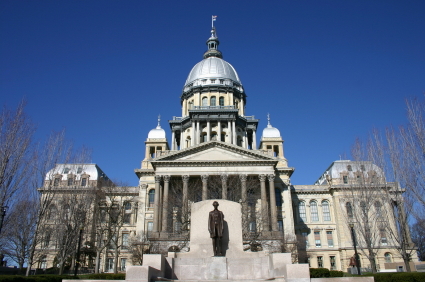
(202, 163)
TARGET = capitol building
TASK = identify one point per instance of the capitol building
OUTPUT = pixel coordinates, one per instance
(218, 151)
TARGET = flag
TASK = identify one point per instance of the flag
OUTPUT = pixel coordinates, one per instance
(214, 18)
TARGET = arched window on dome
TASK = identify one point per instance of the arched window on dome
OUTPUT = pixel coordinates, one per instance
(221, 101)
(205, 101)
(314, 211)
(190, 105)
(151, 198)
(213, 101)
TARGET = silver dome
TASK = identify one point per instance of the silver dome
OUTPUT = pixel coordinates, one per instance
(213, 67)
(270, 131)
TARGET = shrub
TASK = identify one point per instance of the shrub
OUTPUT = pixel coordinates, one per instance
(35, 278)
(336, 273)
(319, 272)
(106, 276)
(400, 277)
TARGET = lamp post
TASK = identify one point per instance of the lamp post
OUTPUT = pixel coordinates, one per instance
(356, 255)
(2, 215)
(77, 255)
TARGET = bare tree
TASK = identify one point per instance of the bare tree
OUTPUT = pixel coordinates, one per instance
(418, 236)
(56, 150)
(140, 245)
(16, 132)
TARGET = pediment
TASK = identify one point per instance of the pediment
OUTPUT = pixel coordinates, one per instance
(216, 151)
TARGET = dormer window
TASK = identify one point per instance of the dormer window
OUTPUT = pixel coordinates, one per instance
(362, 168)
(66, 170)
(349, 168)
(84, 182)
(221, 81)
(70, 181)
(204, 81)
(56, 182)
(212, 80)
(79, 170)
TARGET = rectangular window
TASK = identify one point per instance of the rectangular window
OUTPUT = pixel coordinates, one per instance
(301, 209)
(320, 261)
(84, 182)
(123, 263)
(56, 182)
(125, 237)
(127, 218)
(150, 225)
(330, 239)
(384, 241)
(345, 179)
(317, 239)
(252, 226)
(221, 81)
(280, 225)
(326, 211)
(212, 80)
(109, 265)
(305, 235)
(333, 262)
(70, 181)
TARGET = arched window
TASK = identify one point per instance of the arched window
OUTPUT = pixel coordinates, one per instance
(151, 197)
(388, 258)
(205, 101)
(221, 101)
(301, 210)
(43, 262)
(326, 211)
(127, 206)
(278, 197)
(349, 209)
(212, 101)
(314, 212)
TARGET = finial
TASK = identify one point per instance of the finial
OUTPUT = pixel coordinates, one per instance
(268, 120)
(213, 19)
(159, 121)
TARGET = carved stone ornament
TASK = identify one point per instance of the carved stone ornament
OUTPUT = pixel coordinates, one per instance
(157, 178)
(204, 177)
(223, 177)
(271, 177)
(185, 178)
(145, 186)
(262, 177)
(243, 177)
(166, 178)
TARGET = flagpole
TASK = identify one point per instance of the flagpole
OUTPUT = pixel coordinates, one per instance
(212, 21)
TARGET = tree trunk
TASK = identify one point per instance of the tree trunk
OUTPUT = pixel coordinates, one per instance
(96, 268)
(372, 261)
(116, 261)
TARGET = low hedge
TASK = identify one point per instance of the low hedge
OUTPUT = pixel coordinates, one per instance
(319, 272)
(336, 273)
(105, 276)
(400, 277)
(35, 278)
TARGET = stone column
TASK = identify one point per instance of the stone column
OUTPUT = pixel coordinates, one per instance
(185, 188)
(208, 131)
(204, 187)
(264, 213)
(219, 131)
(173, 140)
(156, 203)
(193, 133)
(165, 203)
(229, 131)
(182, 145)
(245, 140)
(198, 133)
(254, 140)
(273, 209)
(224, 186)
(243, 178)
(234, 132)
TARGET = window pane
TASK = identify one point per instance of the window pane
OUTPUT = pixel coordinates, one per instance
(151, 197)
(326, 211)
(212, 101)
(301, 209)
(314, 211)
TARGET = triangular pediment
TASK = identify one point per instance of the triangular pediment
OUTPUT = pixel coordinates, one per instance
(215, 151)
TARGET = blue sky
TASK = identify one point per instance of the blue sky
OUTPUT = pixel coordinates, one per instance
(326, 71)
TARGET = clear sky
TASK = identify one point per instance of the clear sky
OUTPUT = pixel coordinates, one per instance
(326, 71)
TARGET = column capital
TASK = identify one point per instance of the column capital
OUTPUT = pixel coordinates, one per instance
(224, 177)
(166, 178)
(271, 177)
(185, 178)
(243, 177)
(262, 177)
(204, 177)
(158, 178)
(144, 186)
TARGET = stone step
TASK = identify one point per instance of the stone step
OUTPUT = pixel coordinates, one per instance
(235, 280)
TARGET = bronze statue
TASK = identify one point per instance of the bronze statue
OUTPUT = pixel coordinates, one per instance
(216, 227)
